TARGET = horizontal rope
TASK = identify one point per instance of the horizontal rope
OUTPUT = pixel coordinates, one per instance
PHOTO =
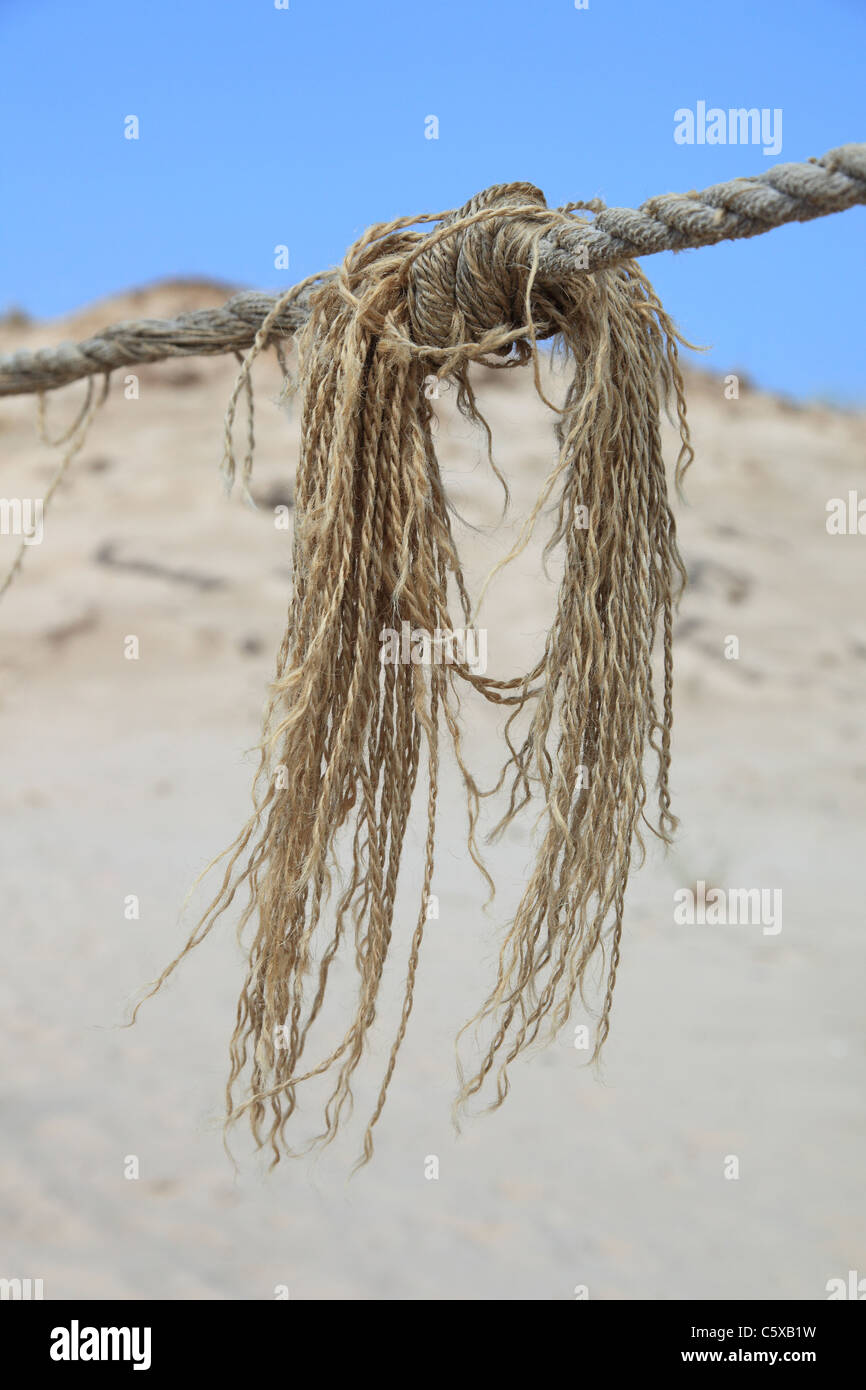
(743, 207)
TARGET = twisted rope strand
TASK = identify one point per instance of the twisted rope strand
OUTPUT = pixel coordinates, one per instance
(742, 207)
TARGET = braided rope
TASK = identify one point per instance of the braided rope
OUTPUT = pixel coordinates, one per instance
(743, 207)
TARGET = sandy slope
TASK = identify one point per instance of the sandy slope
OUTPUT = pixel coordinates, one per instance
(125, 777)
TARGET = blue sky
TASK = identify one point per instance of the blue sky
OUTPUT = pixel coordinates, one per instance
(261, 127)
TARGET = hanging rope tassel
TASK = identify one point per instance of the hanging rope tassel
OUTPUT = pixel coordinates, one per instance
(348, 736)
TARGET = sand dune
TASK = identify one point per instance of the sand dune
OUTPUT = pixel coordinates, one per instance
(125, 777)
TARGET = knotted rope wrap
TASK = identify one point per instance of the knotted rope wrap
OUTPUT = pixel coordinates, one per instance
(346, 734)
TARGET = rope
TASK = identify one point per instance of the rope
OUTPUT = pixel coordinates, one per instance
(353, 724)
(743, 207)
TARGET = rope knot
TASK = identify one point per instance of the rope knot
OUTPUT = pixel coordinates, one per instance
(467, 284)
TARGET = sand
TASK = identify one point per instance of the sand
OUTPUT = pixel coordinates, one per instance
(125, 777)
